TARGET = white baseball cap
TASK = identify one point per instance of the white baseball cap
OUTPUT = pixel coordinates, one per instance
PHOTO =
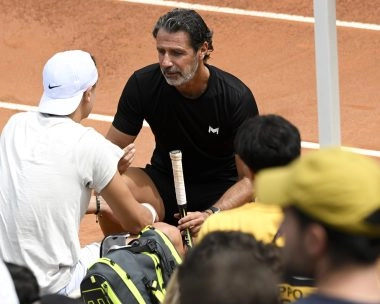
(66, 76)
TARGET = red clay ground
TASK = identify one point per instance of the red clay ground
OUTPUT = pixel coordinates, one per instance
(275, 59)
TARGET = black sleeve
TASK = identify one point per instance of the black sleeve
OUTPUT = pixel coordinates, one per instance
(129, 116)
(246, 107)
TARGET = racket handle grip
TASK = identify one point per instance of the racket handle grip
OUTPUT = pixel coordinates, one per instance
(182, 210)
(187, 240)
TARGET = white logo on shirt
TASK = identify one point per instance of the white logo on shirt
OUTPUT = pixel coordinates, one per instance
(213, 130)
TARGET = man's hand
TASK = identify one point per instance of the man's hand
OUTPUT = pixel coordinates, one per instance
(193, 221)
(127, 159)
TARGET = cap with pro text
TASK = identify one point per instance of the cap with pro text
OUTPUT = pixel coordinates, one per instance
(335, 187)
(66, 76)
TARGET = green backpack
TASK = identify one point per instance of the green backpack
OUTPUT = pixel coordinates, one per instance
(133, 273)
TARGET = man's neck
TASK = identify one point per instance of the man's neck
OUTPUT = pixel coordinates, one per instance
(196, 86)
(353, 283)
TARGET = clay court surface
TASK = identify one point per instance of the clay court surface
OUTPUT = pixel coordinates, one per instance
(275, 58)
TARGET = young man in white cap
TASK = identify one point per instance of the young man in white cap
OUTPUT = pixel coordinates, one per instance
(331, 200)
(49, 166)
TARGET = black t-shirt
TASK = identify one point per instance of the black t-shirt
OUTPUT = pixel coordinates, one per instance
(202, 128)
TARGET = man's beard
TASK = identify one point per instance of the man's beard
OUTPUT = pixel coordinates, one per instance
(184, 76)
(298, 269)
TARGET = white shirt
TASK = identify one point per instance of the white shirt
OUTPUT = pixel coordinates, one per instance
(48, 166)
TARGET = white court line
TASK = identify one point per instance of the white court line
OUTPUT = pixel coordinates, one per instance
(107, 118)
(21, 107)
(237, 11)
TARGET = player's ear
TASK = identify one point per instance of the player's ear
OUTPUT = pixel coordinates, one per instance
(315, 239)
(87, 94)
(203, 50)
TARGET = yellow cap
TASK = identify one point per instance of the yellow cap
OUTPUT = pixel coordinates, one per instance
(338, 188)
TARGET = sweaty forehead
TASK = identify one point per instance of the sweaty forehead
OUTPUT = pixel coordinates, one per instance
(174, 40)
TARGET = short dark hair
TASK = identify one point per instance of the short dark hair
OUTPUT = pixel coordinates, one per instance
(344, 248)
(230, 267)
(25, 282)
(266, 141)
(188, 21)
(61, 299)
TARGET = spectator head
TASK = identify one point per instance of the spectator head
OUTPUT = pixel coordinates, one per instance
(59, 299)
(26, 285)
(266, 141)
(229, 267)
(331, 199)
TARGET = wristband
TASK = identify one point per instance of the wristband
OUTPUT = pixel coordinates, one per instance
(152, 211)
(212, 210)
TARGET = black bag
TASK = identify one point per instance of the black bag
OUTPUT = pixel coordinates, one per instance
(133, 273)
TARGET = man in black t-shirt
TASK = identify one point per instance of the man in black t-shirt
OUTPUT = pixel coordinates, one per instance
(190, 106)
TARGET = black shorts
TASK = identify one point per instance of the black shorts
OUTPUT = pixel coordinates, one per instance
(199, 196)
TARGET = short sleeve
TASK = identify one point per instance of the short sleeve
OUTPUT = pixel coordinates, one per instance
(97, 160)
(129, 116)
(246, 107)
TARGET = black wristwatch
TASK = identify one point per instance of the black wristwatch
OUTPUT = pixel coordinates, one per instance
(213, 209)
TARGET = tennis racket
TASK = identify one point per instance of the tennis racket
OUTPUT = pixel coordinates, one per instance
(180, 192)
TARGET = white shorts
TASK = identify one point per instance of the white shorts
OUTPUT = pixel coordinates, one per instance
(88, 255)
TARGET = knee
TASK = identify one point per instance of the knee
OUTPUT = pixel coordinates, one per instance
(173, 234)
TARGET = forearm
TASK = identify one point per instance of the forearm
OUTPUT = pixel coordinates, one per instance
(237, 195)
(131, 215)
(110, 223)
